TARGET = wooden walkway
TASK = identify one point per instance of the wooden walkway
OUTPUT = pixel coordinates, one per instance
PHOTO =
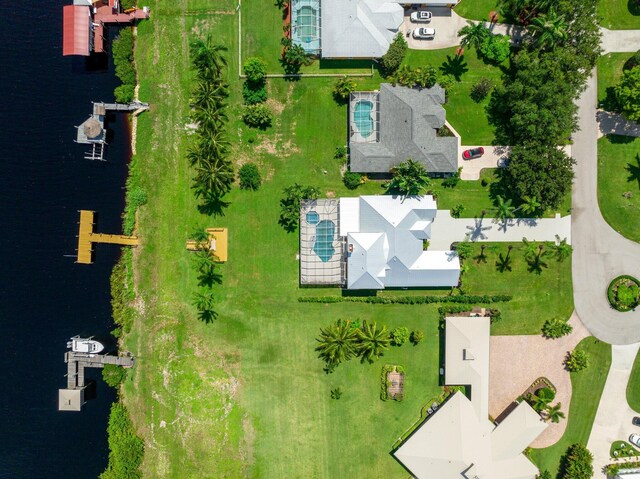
(86, 238)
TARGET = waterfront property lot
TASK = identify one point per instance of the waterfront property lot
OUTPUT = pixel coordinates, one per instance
(619, 184)
(245, 396)
(619, 14)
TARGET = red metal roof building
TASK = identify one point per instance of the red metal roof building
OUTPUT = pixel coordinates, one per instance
(76, 34)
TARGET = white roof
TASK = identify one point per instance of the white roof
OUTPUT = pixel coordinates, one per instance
(385, 243)
(358, 28)
(456, 442)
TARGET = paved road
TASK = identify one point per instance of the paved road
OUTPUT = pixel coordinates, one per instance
(613, 419)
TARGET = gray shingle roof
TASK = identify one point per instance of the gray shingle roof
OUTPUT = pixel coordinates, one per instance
(408, 121)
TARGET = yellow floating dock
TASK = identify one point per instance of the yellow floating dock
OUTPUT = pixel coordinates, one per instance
(217, 244)
(86, 238)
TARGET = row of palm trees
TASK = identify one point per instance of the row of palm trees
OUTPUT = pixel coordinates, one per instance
(214, 173)
(344, 340)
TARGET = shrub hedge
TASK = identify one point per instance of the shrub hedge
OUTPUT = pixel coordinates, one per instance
(125, 448)
(122, 51)
(613, 297)
(466, 299)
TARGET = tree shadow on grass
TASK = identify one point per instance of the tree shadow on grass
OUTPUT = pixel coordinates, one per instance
(455, 66)
(634, 171)
(634, 7)
(213, 206)
(207, 316)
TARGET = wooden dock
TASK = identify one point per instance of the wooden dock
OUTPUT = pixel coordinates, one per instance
(86, 238)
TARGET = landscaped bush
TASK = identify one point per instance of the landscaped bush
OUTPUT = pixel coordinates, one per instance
(627, 94)
(453, 180)
(343, 88)
(496, 48)
(113, 375)
(577, 360)
(456, 211)
(293, 57)
(257, 116)
(122, 51)
(252, 96)
(336, 393)
(249, 177)
(632, 62)
(399, 336)
(340, 153)
(416, 337)
(126, 450)
(290, 204)
(481, 89)
(255, 69)
(392, 60)
(254, 89)
(352, 180)
(577, 463)
(624, 293)
(556, 328)
(463, 299)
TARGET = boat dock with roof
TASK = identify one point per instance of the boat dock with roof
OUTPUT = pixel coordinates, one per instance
(86, 238)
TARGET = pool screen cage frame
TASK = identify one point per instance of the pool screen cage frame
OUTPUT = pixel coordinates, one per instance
(314, 271)
(313, 47)
(354, 132)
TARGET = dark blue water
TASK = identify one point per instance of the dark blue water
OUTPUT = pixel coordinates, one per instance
(44, 297)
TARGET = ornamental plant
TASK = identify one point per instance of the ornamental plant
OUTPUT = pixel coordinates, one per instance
(416, 337)
(249, 177)
(577, 360)
(392, 60)
(556, 328)
(352, 180)
(257, 116)
(343, 88)
(399, 336)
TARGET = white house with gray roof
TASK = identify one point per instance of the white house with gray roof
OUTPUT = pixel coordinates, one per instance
(389, 126)
(458, 441)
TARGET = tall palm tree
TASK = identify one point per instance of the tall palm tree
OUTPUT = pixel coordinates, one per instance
(208, 58)
(530, 205)
(337, 342)
(561, 250)
(504, 261)
(473, 34)
(530, 248)
(372, 341)
(410, 178)
(204, 302)
(481, 257)
(549, 30)
(553, 413)
(209, 94)
(504, 209)
(213, 178)
(210, 120)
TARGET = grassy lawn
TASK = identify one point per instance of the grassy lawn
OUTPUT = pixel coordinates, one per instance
(619, 184)
(476, 9)
(538, 297)
(587, 388)
(619, 14)
(633, 388)
(609, 73)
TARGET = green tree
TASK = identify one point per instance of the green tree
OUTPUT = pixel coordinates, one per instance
(373, 341)
(399, 336)
(481, 89)
(126, 450)
(473, 35)
(352, 180)
(342, 88)
(417, 336)
(577, 360)
(255, 69)
(464, 249)
(545, 475)
(504, 210)
(496, 48)
(556, 328)
(561, 250)
(337, 343)
(290, 204)
(549, 30)
(114, 375)
(249, 177)
(213, 178)
(204, 302)
(627, 94)
(293, 57)
(530, 205)
(541, 399)
(208, 58)
(392, 60)
(410, 178)
(577, 463)
(553, 413)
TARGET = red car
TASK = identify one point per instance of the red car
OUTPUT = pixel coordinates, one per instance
(473, 153)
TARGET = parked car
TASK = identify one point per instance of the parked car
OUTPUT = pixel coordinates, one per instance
(473, 153)
(422, 33)
(635, 439)
(421, 16)
(636, 421)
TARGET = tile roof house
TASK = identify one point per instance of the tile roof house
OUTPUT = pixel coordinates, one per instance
(397, 123)
(458, 441)
(385, 237)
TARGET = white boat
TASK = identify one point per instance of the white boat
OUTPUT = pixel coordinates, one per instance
(85, 345)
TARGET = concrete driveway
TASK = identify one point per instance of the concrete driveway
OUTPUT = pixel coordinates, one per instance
(613, 419)
(471, 168)
(446, 24)
(516, 361)
(446, 230)
(620, 40)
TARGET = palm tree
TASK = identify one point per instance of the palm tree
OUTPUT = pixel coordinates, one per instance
(481, 257)
(504, 210)
(504, 261)
(549, 30)
(530, 249)
(210, 120)
(337, 342)
(561, 249)
(530, 205)
(535, 261)
(208, 58)
(213, 178)
(204, 302)
(372, 341)
(553, 413)
(473, 34)
(209, 95)
(410, 178)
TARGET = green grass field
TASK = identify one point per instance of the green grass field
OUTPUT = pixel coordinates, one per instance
(476, 9)
(619, 184)
(619, 14)
(245, 396)
(587, 388)
(609, 73)
(633, 388)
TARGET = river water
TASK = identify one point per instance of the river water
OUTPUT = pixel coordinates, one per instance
(45, 297)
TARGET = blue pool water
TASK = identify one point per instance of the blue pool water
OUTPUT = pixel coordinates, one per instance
(362, 118)
(323, 247)
(313, 217)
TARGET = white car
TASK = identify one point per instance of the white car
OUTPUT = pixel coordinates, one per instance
(420, 16)
(423, 33)
(635, 440)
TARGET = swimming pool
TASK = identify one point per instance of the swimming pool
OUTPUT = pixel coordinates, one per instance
(362, 118)
(306, 23)
(313, 217)
(323, 247)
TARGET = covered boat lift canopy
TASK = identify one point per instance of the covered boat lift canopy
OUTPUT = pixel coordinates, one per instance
(76, 33)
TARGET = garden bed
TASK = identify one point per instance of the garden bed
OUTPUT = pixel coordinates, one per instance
(624, 293)
(392, 382)
(622, 449)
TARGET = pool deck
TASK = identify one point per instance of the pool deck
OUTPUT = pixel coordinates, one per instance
(354, 129)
